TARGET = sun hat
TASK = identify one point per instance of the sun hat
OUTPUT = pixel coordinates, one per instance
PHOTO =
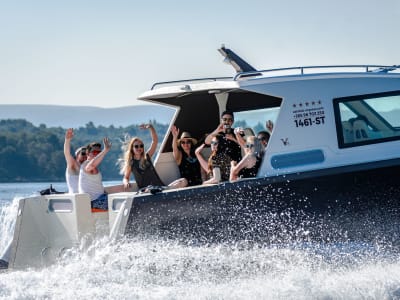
(186, 135)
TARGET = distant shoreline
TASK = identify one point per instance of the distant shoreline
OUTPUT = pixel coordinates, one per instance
(79, 116)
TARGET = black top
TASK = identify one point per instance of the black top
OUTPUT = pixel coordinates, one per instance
(223, 162)
(251, 172)
(145, 176)
(233, 149)
(190, 169)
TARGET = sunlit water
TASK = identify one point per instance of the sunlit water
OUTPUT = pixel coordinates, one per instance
(148, 269)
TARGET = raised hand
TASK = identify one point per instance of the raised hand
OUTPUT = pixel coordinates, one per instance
(107, 143)
(269, 125)
(69, 134)
(145, 126)
(221, 127)
(175, 131)
(199, 149)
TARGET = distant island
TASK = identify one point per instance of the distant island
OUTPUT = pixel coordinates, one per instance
(77, 116)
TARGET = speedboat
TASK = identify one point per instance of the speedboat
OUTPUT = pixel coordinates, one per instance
(330, 171)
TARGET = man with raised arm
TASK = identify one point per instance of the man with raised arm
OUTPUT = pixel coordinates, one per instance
(90, 179)
(225, 129)
(73, 163)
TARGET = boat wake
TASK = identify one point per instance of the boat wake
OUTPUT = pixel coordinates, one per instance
(8, 213)
(138, 268)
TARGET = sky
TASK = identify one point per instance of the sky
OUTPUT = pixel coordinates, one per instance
(106, 53)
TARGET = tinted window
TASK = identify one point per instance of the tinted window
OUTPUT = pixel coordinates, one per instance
(367, 119)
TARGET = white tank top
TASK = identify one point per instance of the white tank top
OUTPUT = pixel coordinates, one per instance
(72, 179)
(91, 184)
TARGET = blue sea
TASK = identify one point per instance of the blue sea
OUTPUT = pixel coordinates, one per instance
(152, 269)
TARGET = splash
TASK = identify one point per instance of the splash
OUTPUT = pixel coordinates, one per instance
(8, 216)
(292, 266)
(153, 269)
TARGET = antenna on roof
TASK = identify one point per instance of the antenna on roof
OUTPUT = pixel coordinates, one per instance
(237, 63)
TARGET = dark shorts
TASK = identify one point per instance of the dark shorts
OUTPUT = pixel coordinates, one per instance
(101, 202)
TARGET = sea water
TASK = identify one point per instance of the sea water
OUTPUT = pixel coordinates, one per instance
(151, 269)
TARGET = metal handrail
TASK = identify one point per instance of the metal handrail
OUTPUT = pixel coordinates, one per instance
(378, 68)
(190, 80)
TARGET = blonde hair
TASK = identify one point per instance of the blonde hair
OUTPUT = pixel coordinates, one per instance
(257, 146)
(129, 154)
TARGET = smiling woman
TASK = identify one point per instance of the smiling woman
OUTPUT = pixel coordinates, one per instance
(139, 163)
(217, 166)
(185, 157)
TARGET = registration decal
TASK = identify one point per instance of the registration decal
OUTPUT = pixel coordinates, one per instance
(308, 113)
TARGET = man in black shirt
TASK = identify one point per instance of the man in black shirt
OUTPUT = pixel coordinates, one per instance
(225, 129)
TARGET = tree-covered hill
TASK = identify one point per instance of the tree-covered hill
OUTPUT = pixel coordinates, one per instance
(30, 153)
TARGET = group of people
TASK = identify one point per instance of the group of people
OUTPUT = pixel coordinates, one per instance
(224, 163)
(82, 173)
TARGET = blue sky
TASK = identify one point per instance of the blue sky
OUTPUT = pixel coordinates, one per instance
(106, 53)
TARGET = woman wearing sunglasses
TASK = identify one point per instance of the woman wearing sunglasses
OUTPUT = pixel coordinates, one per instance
(183, 151)
(218, 164)
(138, 161)
(250, 163)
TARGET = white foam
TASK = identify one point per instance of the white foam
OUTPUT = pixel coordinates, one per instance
(8, 216)
(162, 270)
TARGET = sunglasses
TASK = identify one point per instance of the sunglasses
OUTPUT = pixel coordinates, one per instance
(262, 138)
(186, 142)
(138, 146)
(249, 145)
(95, 152)
(214, 143)
(227, 119)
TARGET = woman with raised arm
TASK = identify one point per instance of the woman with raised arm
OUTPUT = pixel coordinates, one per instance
(183, 151)
(139, 162)
(250, 163)
(218, 164)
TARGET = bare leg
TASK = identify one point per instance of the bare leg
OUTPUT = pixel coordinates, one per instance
(179, 183)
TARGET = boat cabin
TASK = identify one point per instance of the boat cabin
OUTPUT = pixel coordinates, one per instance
(322, 119)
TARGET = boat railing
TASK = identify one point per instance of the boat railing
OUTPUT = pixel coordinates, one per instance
(166, 83)
(321, 69)
(285, 72)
